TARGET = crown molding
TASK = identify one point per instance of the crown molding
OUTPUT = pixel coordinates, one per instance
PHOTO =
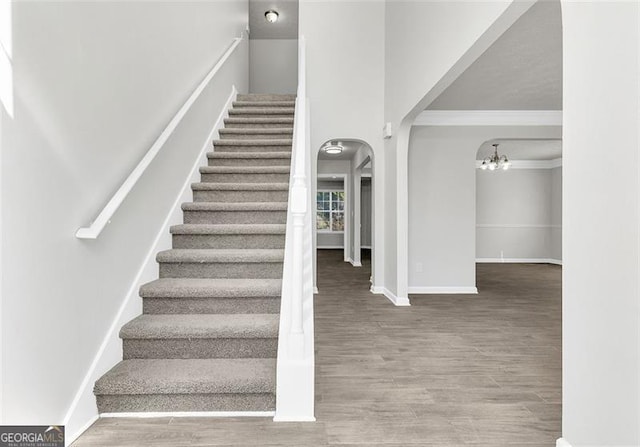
(489, 118)
(531, 164)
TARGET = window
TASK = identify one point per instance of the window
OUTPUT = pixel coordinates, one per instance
(330, 211)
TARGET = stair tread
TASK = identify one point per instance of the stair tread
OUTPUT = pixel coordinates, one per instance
(254, 131)
(211, 288)
(233, 206)
(159, 326)
(266, 110)
(244, 169)
(267, 96)
(223, 255)
(266, 142)
(211, 186)
(259, 120)
(228, 229)
(273, 103)
(245, 155)
(189, 376)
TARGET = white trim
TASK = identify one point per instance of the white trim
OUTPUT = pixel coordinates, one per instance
(398, 301)
(518, 261)
(355, 264)
(368, 247)
(191, 414)
(147, 269)
(443, 290)
(70, 439)
(530, 164)
(315, 290)
(294, 418)
(96, 227)
(518, 226)
(330, 247)
(489, 118)
(561, 442)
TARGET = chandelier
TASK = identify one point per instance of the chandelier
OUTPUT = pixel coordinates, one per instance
(495, 161)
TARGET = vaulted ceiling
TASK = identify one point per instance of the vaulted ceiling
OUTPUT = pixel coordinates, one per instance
(522, 70)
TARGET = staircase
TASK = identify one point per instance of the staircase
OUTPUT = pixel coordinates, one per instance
(207, 339)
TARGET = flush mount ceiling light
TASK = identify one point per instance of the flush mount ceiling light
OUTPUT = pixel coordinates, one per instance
(271, 16)
(333, 149)
(495, 161)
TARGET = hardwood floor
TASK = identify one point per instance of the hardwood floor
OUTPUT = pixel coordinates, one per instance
(451, 370)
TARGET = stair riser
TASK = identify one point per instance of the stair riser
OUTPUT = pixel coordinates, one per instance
(249, 125)
(244, 178)
(235, 217)
(221, 270)
(222, 148)
(259, 136)
(254, 305)
(240, 196)
(228, 241)
(200, 348)
(129, 403)
(246, 162)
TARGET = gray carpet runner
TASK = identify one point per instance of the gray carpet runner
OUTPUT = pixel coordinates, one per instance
(208, 335)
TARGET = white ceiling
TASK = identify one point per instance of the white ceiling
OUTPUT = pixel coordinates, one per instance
(522, 70)
(523, 149)
(350, 149)
(285, 28)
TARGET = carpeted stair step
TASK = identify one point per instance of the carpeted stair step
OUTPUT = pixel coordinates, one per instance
(228, 236)
(246, 133)
(162, 385)
(249, 158)
(206, 296)
(270, 104)
(266, 110)
(246, 174)
(234, 122)
(265, 97)
(222, 263)
(236, 145)
(235, 213)
(200, 336)
(240, 192)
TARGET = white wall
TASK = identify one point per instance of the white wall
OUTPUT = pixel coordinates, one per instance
(427, 45)
(348, 106)
(601, 304)
(273, 66)
(442, 202)
(95, 84)
(516, 215)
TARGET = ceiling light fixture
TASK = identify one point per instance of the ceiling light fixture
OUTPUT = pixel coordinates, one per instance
(271, 16)
(495, 161)
(333, 149)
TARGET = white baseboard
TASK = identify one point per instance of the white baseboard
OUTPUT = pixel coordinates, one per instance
(71, 437)
(518, 261)
(83, 411)
(330, 247)
(398, 301)
(294, 419)
(354, 263)
(191, 414)
(443, 290)
(561, 442)
(315, 291)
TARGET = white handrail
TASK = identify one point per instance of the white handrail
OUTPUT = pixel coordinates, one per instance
(96, 227)
(295, 375)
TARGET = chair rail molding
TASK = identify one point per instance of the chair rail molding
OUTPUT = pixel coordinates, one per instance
(489, 118)
(104, 217)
